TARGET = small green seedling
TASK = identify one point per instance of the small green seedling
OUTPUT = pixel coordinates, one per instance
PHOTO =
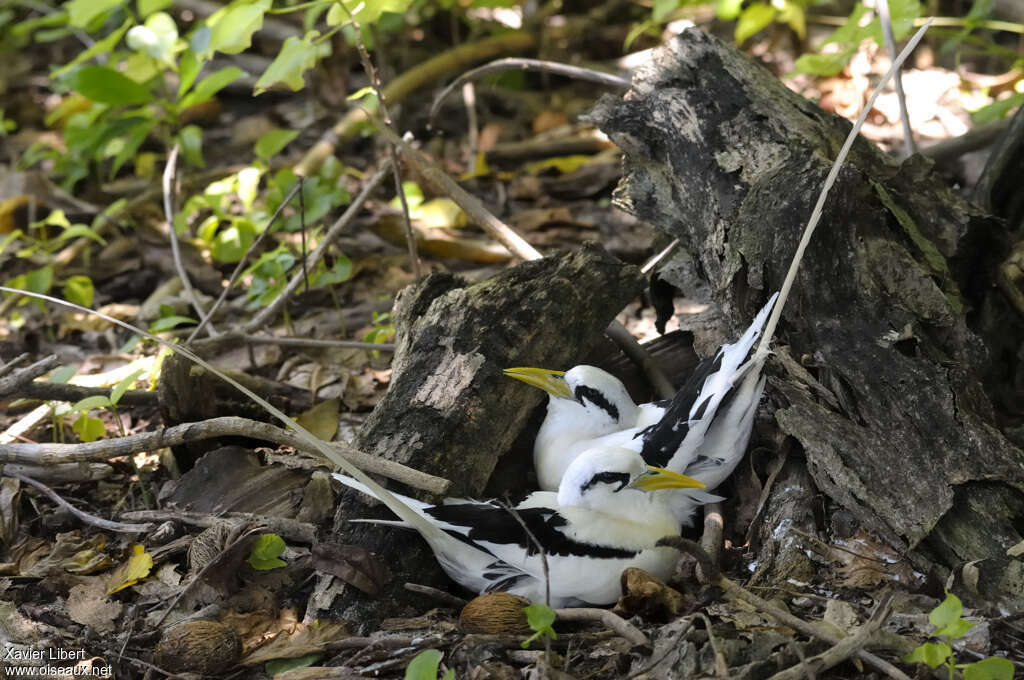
(266, 552)
(90, 429)
(424, 666)
(950, 625)
(539, 617)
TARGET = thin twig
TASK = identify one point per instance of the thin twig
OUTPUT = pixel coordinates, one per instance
(844, 649)
(721, 667)
(608, 618)
(20, 378)
(268, 313)
(256, 245)
(43, 454)
(288, 341)
(54, 391)
(13, 364)
(514, 64)
(737, 592)
(186, 282)
(95, 521)
(910, 146)
(642, 358)
(653, 262)
(538, 545)
(371, 73)
(773, 321)
(436, 594)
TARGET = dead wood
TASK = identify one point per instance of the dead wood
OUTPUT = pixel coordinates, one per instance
(449, 410)
(721, 155)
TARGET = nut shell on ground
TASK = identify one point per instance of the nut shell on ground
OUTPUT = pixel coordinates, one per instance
(495, 614)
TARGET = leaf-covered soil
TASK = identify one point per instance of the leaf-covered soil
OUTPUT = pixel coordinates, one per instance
(104, 555)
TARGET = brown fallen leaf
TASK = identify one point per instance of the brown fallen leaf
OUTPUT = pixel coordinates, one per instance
(354, 565)
(88, 605)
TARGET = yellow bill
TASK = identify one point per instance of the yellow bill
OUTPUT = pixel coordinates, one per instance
(659, 478)
(552, 382)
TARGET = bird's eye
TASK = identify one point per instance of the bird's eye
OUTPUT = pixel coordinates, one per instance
(620, 478)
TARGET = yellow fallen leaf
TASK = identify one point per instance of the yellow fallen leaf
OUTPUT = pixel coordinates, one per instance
(128, 574)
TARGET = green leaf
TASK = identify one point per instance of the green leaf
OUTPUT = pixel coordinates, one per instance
(230, 244)
(63, 374)
(231, 31)
(662, 8)
(424, 665)
(272, 142)
(89, 403)
(364, 11)
(997, 110)
(79, 289)
(100, 47)
(752, 20)
(902, 14)
(934, 654)
(450, 675)
(88, 429)
(823, 64)
(211, 85)
(995, 668)
(78, 231)
(188, 68)
(130, 142)
(296, 56)
(727, 10)
(107, 86)
(948, 611)
(851, 31)
(956, 629)
(147, 7)
(39, 280)
(82, 12)
(278, 666)
(126, 383)
(539, 617)
(155, 38)
(266, 551)
(191, 140)
(169, 322)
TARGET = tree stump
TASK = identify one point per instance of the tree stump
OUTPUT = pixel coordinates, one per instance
(721, 155)
(449, 410)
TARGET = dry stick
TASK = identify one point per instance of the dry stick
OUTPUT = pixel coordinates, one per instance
(451, 61)
(897, 81)
(842, 651)
(515, 64)
(258, 243)
(9, 384)
(608, 618)
(721, 667)
(186, 282)
(13, 363)
(653, 262)
(436, 594)
(44, 454)
(738, 592)
(477, 213)
(51, 391)
(371, 73)
(288, 341)
(107, 524)
(290, 529)
(714, 528)
(270, 311)
(787, 285)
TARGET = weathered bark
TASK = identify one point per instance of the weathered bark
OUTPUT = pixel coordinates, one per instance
(449, 410)
(721, 155)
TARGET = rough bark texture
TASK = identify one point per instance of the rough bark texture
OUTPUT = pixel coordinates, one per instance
(721, 155)
(449, 410)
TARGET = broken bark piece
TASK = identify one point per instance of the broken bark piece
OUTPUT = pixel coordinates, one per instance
(449, 410)
(720, 154)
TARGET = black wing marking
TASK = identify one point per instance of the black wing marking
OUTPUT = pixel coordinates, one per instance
(662, 439)
(495, 524)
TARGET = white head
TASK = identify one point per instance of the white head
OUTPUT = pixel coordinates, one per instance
(588, 392)
(603, 477)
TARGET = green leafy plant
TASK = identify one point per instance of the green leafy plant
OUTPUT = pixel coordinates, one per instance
(540, 618)
(266, 552)
(950, 625)
(89, 428)
(424, 666)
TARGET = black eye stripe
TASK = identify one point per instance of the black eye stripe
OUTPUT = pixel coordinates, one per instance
(598, 399)
(620, 478)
